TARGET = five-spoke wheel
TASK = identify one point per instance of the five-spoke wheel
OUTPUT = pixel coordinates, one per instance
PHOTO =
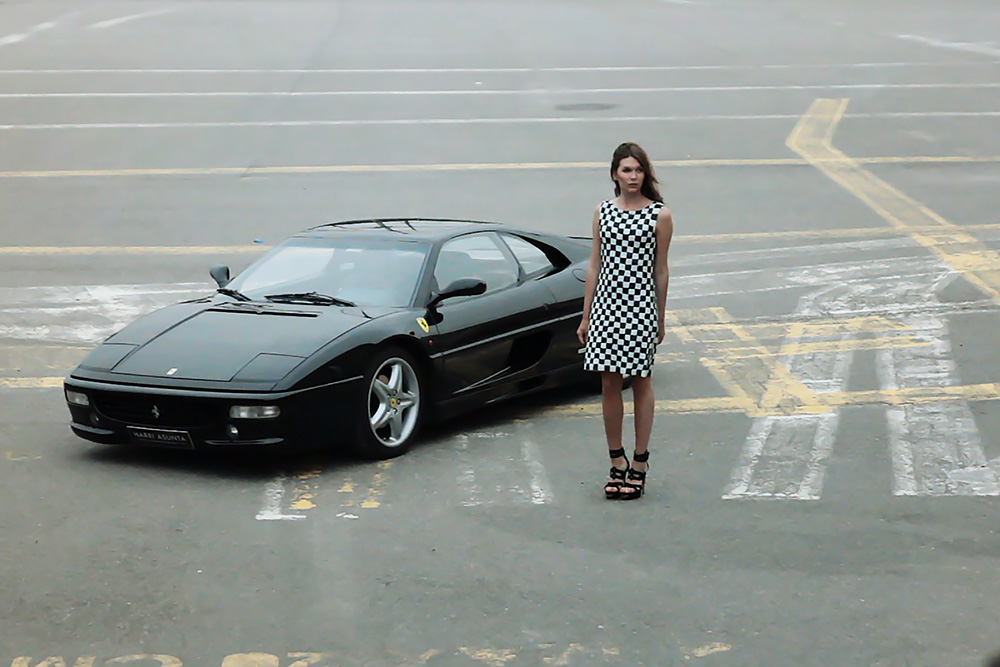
(393, 404)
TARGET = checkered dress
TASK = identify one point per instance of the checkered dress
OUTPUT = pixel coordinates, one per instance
(623, 324)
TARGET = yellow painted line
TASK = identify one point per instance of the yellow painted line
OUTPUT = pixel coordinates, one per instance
(12, 456)
(797, 348)
(861, 232)
(805, 234)
(813, 328)
(489, 656)
(374, 492)
(131, 250)
(251, 660)
(305, 491)
(377, 487)
(36, 359)
(31, 382)
(826, 401)
(469, 166)
(771, 380)
(989, 391)
(744, 403)
(742, 397)
(812, 139)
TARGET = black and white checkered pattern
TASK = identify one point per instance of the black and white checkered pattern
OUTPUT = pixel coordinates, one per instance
(623, 322)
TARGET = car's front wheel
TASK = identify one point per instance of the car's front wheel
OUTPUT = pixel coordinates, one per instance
(392, 405)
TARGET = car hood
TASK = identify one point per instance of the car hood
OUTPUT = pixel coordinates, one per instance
(223, 342)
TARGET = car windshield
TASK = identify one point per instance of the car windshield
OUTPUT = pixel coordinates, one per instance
(365, 272)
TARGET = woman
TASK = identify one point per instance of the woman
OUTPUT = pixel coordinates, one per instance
(624, 300)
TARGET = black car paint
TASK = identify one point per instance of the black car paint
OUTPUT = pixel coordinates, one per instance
(309, 360)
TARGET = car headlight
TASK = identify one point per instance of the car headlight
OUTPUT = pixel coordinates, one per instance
(77, 398)
(254, 411)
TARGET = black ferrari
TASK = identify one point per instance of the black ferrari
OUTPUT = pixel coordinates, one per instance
(354, 332)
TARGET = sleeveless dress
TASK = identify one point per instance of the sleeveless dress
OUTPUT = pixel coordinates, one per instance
(621, 337)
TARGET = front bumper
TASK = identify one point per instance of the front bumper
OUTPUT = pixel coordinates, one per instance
(191, 419)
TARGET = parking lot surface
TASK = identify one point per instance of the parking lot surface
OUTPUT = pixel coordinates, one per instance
(825, 466)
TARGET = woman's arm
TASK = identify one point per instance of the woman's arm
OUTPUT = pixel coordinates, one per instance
(661, 271)
(593, 270)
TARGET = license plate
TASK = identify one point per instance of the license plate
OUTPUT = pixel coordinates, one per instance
(161, 438)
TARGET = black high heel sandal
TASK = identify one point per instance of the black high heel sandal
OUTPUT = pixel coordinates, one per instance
(616, 478)
(633, 487)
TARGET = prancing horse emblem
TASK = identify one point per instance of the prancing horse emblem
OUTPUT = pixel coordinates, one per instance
(156, 412)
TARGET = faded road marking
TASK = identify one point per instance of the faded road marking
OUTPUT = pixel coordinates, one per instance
(31, 382)
(251, 660)
(371, 497)
(489, 656)
(479, 92)
(963, 253)
(288, 170)
(541, 489)
(984, 48)
(272, 509)
(305, 491)
(85, 314)
(131, 250)
(110, 23)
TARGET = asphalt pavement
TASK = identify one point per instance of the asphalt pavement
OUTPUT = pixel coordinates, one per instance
(825, 467)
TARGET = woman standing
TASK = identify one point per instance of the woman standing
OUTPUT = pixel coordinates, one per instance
(623, 306)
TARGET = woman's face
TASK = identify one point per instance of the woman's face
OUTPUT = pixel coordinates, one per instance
(629, 176)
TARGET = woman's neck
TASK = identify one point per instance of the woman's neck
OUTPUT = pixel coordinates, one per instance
(633, 202)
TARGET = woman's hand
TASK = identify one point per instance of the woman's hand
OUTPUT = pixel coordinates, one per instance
(661, 333)
(581, 331)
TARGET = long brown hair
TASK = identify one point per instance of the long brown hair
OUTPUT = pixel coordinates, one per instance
(630, 149)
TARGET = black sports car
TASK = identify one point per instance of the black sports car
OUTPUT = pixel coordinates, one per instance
(351, 332)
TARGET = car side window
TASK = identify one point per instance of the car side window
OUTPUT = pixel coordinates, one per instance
(532, 259)
(475, 256)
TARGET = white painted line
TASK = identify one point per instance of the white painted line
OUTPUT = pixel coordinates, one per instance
(83, 315)
(274, 492)
(473, 121)
(936, 448)
(134, 17)
(742, 475)
(496, 91)
(467, 477)
(541, 493)
(984, 48)
(501, 70)
(41, 27)
(402, 121)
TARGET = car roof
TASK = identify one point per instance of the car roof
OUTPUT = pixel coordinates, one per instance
(416, 228)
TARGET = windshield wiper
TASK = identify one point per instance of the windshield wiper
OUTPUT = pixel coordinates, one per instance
(310, 297)
(236, 294)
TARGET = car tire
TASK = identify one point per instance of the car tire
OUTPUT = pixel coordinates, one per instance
(392, 405)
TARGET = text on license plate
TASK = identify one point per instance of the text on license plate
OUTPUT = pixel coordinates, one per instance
(155, 436)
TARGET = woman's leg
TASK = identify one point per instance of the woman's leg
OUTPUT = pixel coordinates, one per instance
(613, 411)
(645, 405)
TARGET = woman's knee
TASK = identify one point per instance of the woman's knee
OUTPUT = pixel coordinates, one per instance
(642, 389)
(611, 382)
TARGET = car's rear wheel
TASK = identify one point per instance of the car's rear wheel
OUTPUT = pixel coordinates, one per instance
(392, 406)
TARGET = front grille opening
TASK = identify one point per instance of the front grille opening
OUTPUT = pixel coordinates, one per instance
(159, 411)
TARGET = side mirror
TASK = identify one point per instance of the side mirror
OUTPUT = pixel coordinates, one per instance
(220, 273)
(461, 287)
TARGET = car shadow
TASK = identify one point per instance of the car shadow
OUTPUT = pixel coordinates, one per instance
(501, 414)
(255, 465)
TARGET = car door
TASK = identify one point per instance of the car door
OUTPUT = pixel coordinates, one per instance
(481, 338)
(539, 263)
